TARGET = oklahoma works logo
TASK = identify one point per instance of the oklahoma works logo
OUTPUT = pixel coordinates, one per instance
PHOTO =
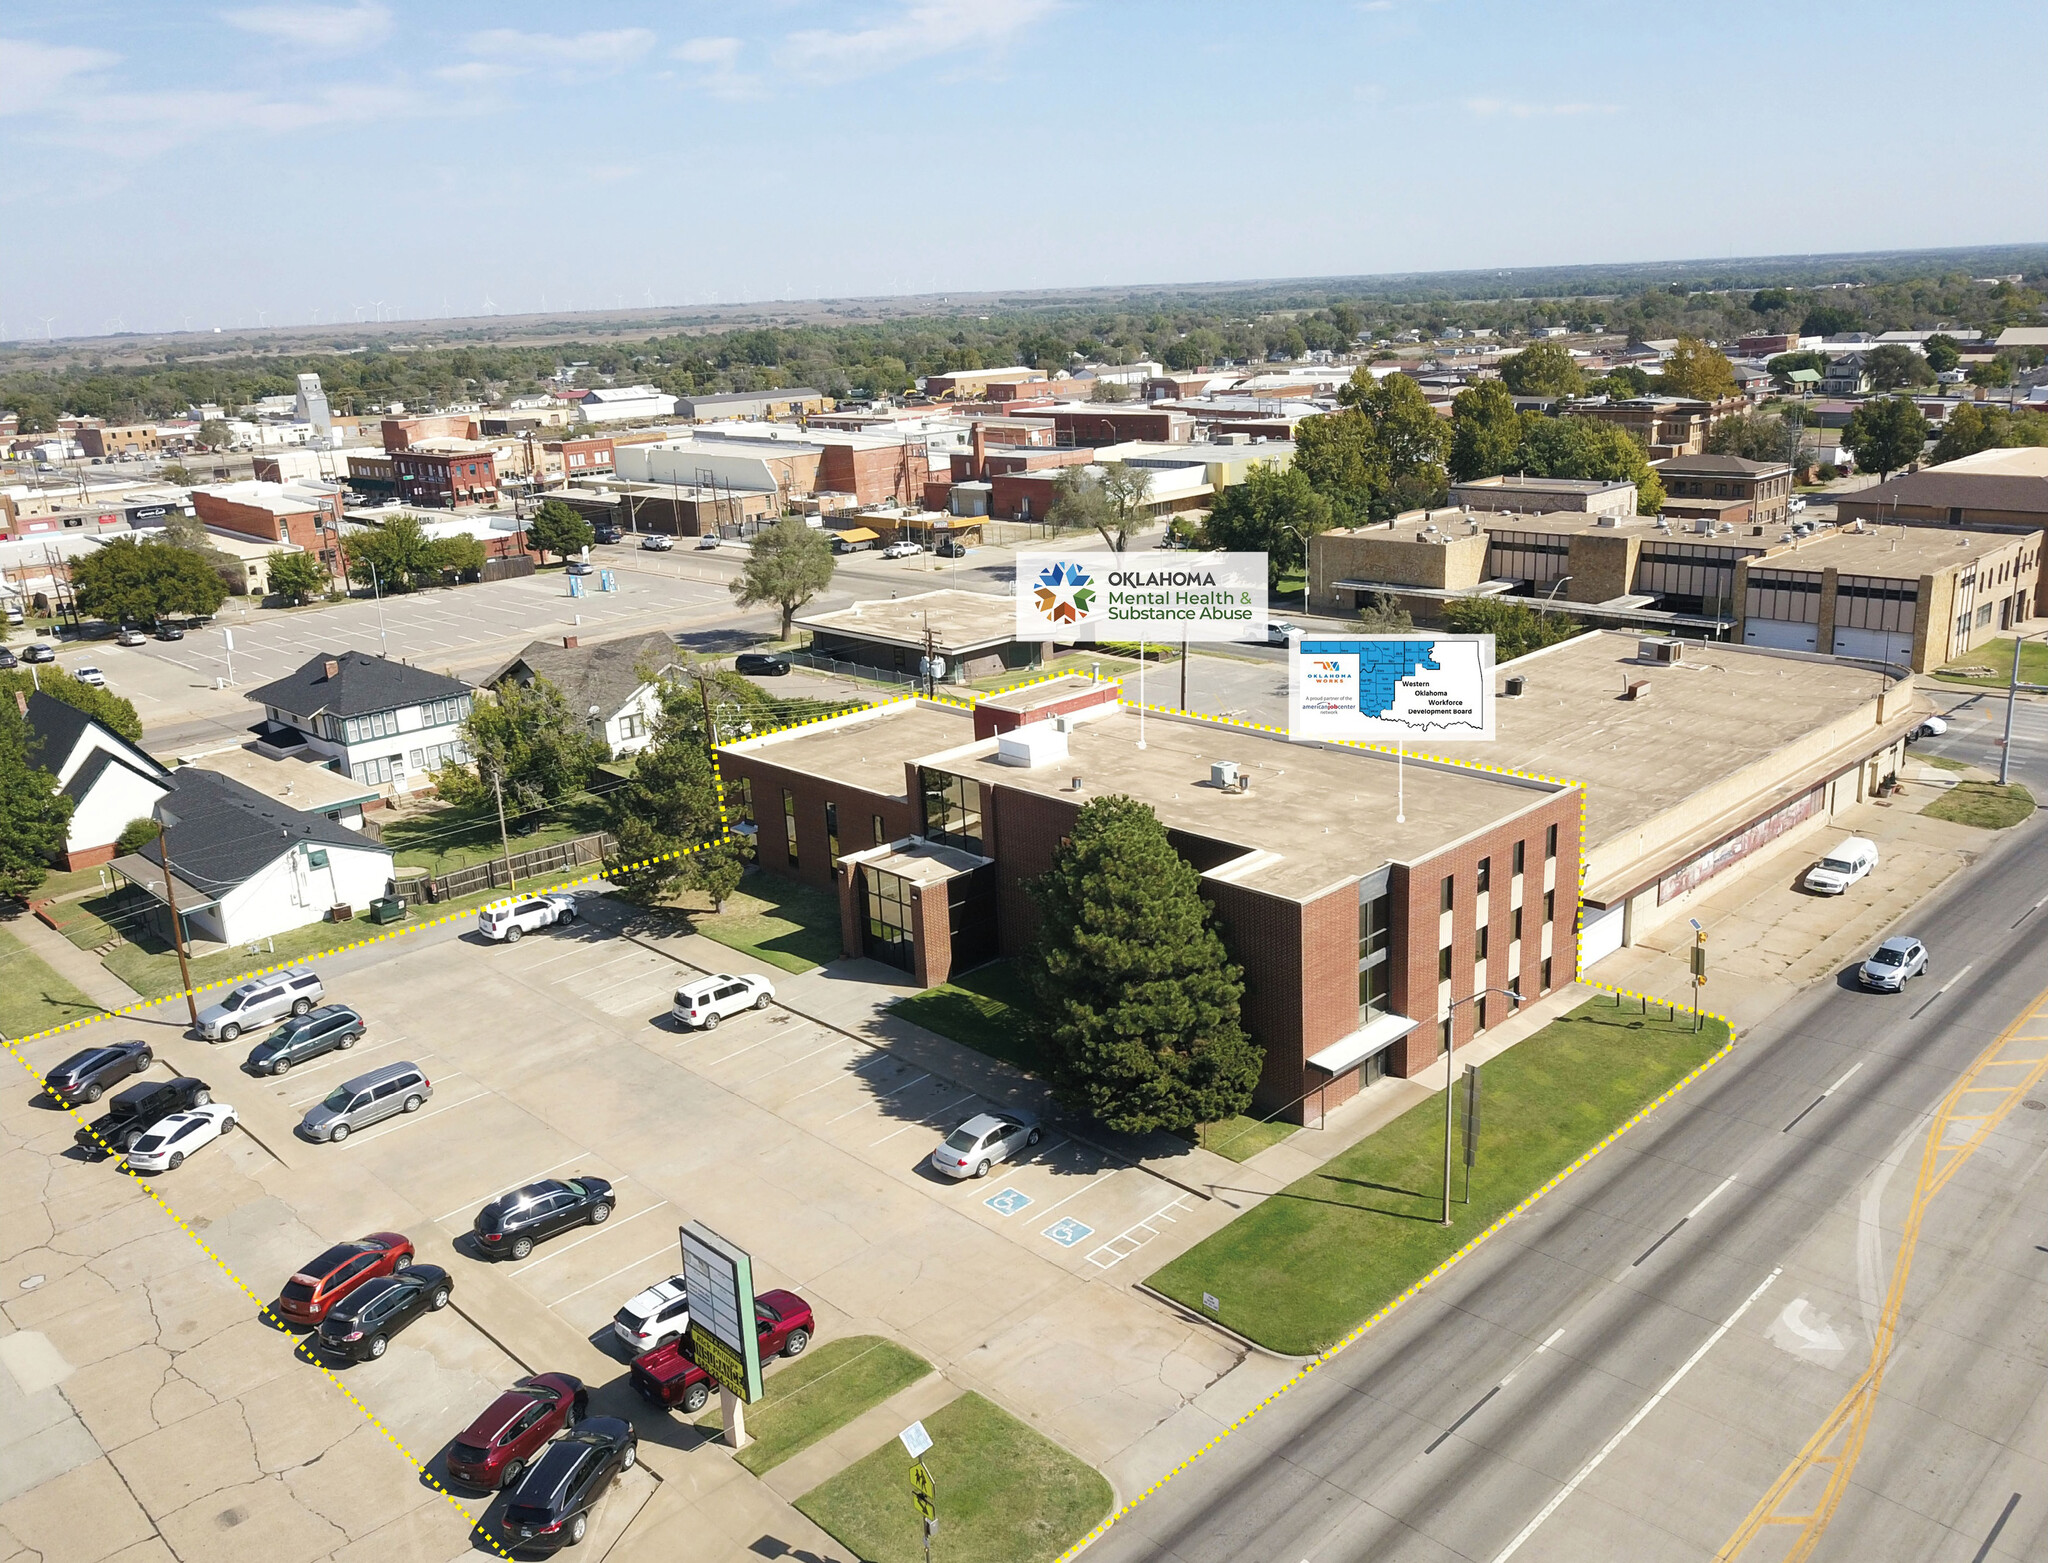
(1065, 593)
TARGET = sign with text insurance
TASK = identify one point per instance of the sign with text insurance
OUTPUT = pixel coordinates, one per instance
(1152, 596)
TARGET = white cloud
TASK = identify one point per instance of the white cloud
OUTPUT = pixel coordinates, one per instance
(35, 75)
(155, 122)
(331, 27)
(1488, 107)
(918, 30)
(599, 53)
(718, 60)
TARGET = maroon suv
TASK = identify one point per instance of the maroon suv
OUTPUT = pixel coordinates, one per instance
(667, 1377)
(495, 1449)
(323, 1282)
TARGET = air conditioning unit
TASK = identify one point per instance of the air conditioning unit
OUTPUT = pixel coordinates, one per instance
(1515, 685)
(1223, 773)
(1661, 650)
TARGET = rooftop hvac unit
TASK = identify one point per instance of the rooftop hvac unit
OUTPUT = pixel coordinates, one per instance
(1661, 650)
(1515, 685)
(1227, 776)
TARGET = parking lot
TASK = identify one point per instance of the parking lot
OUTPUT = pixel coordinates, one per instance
(807, 1145)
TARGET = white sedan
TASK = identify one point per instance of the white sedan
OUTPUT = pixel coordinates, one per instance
(170, 1141)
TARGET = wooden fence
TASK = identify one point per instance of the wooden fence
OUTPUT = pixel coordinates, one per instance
(531, 864)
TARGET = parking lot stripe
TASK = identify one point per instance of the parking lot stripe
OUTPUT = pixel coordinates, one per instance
(508, 1188)
(622, 1269)
(600, 966)
(921, 1124)
(813, 1053)
(872, 1057)
(609, 1226)
(357, 1139)
(339, 1058)
(1127, 1243)
(1049, 1209)
(864, 1106)
(735, 1053)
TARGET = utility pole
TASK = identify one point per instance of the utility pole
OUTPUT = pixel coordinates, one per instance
(1183, 674)
(710, 722)
(2012, 693)
(504, 839)
(1699, 968)
(378, 596)
(165, 820)
(1450, 1079)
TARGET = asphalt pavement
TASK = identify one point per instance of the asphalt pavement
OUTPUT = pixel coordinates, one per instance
(1626, 1371)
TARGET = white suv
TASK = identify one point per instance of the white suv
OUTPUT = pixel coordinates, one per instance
(709, 1000)
(508, 920)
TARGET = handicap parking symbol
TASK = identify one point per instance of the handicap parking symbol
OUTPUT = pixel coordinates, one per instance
(1009, 1202)
(1067, 1232)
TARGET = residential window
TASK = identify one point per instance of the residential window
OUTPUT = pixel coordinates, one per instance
(832, 831)
(1518, 855)
(374, 772)
(364, 729)
(1450, 893)
(1443, 964)
(434, 756)
(444, 713)
(789, 823)
(632, 725)
(1550, 842)
(1485, 875)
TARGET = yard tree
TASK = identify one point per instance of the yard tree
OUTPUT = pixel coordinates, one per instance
(1993, 374)
(668, 822)
(1754, 437)
(177, 472)
(394, 556)
(215, 435)
(1624, 380)
(1517, 629)
(103, 705)
(526, 737)
(788, 565)
(1543, 369)
(1585, 448)
(1079, 503)
(1271, 513)
(1697, 370)
(297, 576)
(1970, 429)
(457, 556)
(1136, 1017)
(130, 582)
(1885, 434)
(1782, 366)
(1486, 432)
(33, 813)
(1382, 454)
(1829, 320)
(1126, 488)
(1893, 365)
(1943, 352)
(1382, 614)
(557, 529)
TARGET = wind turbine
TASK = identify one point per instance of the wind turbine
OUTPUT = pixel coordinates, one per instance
(46, 327)
(490, 304)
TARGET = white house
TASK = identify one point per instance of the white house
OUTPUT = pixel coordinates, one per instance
(109, 780)
(621, 404)
(613, 687)
(248, 868)
(381, 722)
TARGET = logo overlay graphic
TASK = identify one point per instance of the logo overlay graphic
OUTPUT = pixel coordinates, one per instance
(1147, 596)
(1391, 688)
(1065, 592)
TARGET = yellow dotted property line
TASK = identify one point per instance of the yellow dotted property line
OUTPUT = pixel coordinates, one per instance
(150, 1189)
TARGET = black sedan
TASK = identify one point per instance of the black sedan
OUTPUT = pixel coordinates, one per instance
(361, 1325)
(84, 1077)
(169, 632)
(8, 659)
(551, 1506)
(512, 1223)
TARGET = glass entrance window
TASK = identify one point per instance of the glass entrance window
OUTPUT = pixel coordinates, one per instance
(1375, 956)
(952, 809)
(886, 927)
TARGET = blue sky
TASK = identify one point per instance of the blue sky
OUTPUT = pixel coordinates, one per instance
(187, 164)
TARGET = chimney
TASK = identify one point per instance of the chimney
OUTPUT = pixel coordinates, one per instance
(568, 642)
(333, 668)
(21, 702)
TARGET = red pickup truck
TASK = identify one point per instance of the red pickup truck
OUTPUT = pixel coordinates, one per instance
(667, 1377)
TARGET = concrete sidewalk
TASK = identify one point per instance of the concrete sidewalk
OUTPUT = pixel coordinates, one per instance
(80, 968)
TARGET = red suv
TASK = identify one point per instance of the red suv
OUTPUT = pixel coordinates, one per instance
(667, 1377)
(318, 1286)
(495, 1449)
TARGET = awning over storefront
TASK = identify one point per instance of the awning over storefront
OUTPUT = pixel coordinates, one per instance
(1375, 1036)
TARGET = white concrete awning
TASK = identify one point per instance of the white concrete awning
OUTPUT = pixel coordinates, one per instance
(1376, 1036)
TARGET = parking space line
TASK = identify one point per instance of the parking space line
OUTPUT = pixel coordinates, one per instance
(622, 1269)
(600, 966)
(1126, 1243)
(536, 966)
(339, 1058)
(609, 1226)
(735, 1053)
(836, 1042)
(921, 1124)
(840, 1080)
(864, 1106)
(508, 1188)
(357, 1139)
(625, 981)
(1049, 1209)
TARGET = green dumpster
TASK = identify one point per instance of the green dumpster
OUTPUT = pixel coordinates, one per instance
(388, 909)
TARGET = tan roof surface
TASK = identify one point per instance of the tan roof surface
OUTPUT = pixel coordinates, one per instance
(961, 620)
(1887, 550)
(867, 750)
(1045, 691)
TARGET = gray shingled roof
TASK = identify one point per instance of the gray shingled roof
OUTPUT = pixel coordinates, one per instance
(1720, 466)
(604, 675)
(54, 729)
(227, 833)
(1967, 490)
(359, 685)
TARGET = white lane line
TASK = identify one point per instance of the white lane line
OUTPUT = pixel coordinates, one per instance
(1831, 1090)
(840, 1079)
(921, 1124)
(1084, 1188)
(736, 1052)
(1723, 1184)
(834, 1044)
(508, 1188)
(1555, 1336)
(536, 965)
(622, 1269)
(1961, 972)
(630, 955)
(597, 1232)
(1633, 1422)
(628, 980)
(357, 1139)
(864, 1106)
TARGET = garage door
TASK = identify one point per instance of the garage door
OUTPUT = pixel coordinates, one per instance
(1599, 933)
(1780, 634)
(1875, 645)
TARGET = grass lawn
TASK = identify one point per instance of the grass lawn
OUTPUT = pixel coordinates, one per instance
(1300, 1271)
(1005, 1494)
(443, 840)
(1942, 762)
(33, 997)
(982, 1010)
(1982, 803)
(1997, 656)
(57, 884)
(98, 919)
(790, 926)
(1241, 1138)
(819, 1393)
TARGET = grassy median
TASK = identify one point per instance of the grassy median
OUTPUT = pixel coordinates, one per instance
(1984, 804)
(820, 1393)
(1005, 1494)
(1301, 1270)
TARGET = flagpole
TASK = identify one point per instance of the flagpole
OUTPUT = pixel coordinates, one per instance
(1141, 694)
(1400, 785)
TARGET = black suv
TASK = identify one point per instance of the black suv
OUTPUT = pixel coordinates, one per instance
(305, 1036)
(512, 1223)
(607, 534)
(760, 664)
(85, 1076)
(551, 1506)
(131, 1114)
(361, 1325)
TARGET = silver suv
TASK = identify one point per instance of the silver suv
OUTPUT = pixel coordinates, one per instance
(259, 1001)
(358, 1103)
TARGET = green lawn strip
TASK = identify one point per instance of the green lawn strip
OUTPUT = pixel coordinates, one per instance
(982, 1009)
(443, 840)
(32, 996)
(1300, 1271)
(1985, 804)
(1942, 762)
(94, 921)
(1997, 656)
(819, 1393)
(790, 926)
(1240, 1138)
(60, 884)
(1005, 1494)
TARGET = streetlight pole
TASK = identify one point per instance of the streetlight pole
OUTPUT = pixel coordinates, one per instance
(165, 820)
(377, 596)
(1451, 1080)
(2012, 694)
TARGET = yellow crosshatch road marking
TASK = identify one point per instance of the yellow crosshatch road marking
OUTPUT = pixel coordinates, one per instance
(1828, 1460)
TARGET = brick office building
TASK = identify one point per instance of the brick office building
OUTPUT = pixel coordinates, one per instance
(446, 473)
(1358, 934)
(306, 514)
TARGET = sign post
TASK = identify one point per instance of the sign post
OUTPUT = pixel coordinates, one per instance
(1471, 1125)
(1699, 968)
(719, 1279)
(923, 1493)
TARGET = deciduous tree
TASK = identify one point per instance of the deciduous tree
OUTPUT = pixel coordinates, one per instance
(788, 565)
(1517, 629)
(1885, 434)
(33, 813)
(1754, 437)
(1271, 513)
(531, 742)
(102, 705)
(297, 577)
(1971, 428)
(1893, 364)
(1697, 370)
(557, 529)
(1543, 369)
(1943, 352)
(1486, 432)
(667, 820)
(130, 582)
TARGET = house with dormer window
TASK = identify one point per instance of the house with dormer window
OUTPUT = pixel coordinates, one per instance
(383, 723)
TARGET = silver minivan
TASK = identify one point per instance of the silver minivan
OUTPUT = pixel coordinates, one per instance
(259, 1001)
(358, 1103)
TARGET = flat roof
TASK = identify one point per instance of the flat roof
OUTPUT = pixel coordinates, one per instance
(959, 620)
(1511, 480)
(1889, 551)
(1047, 691)
(866, 749)
(920, 862)
(297, 784)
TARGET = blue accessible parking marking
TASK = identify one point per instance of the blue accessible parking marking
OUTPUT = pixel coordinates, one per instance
(1009, 1202)
(1067, 1232)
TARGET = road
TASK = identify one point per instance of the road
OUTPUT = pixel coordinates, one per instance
(1626, 1371)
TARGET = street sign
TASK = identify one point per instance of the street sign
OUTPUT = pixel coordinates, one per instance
(921, 1480)
(915, 1439)
(925, 1506)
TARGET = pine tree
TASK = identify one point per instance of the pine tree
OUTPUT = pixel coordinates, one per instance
(1136, 1018)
